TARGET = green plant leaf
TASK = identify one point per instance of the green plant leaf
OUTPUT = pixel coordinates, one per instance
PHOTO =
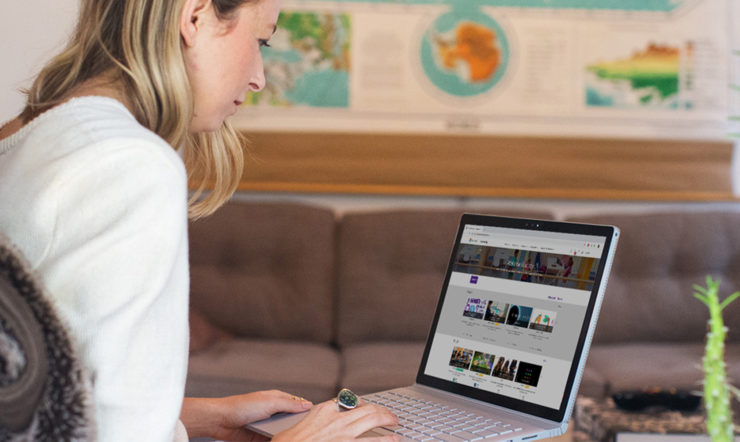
(734, 390)
(700, 289)
(728, 300)
(701, 298)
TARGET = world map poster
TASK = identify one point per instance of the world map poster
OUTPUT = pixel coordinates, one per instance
(602, 68)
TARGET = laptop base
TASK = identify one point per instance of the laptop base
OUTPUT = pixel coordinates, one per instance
(523, 424)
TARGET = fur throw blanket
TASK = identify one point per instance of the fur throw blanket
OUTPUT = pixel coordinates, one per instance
(44, 393)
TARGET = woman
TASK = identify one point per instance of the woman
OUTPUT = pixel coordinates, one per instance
(94, 194)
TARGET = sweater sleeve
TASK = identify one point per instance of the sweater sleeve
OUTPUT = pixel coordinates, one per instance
(118, 259)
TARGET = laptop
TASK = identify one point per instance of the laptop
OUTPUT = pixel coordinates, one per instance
(508, 344)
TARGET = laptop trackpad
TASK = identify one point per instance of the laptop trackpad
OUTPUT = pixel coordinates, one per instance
(282, 421)
(277, 423)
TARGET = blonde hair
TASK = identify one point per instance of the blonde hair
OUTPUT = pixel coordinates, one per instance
(138, 43)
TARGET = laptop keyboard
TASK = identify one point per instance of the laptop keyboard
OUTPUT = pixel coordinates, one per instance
(430, 421)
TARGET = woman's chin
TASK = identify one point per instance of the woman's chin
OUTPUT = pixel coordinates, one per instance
(206, 126)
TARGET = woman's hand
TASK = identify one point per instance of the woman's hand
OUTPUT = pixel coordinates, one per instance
(326, 423)
(225, 418)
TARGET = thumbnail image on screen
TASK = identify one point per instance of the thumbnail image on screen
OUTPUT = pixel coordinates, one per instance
(510, 314)
(542, 320)
(496, 311)
(528, 374)
(475, 308)
(461, 357)
(519, 316)
(501, 367)
(505, 368)
(482, 363)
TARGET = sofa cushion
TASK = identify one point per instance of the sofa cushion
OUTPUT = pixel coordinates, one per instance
(391, 268)
(663, 365)
(660, 257)
(265, 270)
(243, 365)
(377, 366)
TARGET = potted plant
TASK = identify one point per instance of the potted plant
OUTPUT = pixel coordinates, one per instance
(717, 390)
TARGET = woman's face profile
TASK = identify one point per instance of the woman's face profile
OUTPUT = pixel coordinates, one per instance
(223, 57)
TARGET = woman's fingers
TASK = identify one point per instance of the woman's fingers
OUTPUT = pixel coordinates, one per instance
(286, 402)
(327, 422)
(390, 438)
(275, 401)
(242, 409)
(368, 416)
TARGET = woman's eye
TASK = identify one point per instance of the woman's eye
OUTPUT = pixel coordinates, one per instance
(264, 43)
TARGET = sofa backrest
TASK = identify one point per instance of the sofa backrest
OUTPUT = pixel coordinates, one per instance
(391, 268)
(265, 270)
(659, 258)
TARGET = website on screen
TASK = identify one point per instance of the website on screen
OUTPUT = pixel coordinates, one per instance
(513, 311)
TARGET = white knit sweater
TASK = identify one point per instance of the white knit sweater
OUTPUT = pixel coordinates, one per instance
(98, 205)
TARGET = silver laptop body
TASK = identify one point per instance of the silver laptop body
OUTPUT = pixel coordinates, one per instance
(511, 333)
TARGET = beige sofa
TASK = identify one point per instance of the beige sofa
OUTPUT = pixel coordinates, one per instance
(294, 297)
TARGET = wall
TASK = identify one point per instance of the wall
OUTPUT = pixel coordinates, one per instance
(31, 31)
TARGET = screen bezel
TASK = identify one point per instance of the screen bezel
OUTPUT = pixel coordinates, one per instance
(607, 232)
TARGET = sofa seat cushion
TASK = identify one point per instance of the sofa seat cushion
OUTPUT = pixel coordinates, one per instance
(376, 366)
(664, 365)
(244, 365)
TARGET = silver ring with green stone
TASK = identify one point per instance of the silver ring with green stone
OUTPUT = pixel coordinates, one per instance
(347, 400)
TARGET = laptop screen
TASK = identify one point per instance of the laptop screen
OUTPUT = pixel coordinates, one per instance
(514, 311)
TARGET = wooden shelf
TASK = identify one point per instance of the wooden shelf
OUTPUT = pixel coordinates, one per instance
(485, 166)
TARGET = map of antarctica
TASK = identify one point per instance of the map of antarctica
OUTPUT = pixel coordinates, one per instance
(464, 53)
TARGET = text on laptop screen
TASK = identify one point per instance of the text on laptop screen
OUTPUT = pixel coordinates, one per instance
(513, 311)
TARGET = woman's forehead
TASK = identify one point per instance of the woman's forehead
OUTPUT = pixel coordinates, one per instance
(263, 14)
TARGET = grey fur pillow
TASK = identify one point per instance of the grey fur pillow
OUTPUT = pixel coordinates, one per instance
(44, 392)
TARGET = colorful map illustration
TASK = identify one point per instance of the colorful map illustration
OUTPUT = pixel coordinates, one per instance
(647, 78)
(308, 62)
(464, 53)
(516, 67)
(470, 50)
